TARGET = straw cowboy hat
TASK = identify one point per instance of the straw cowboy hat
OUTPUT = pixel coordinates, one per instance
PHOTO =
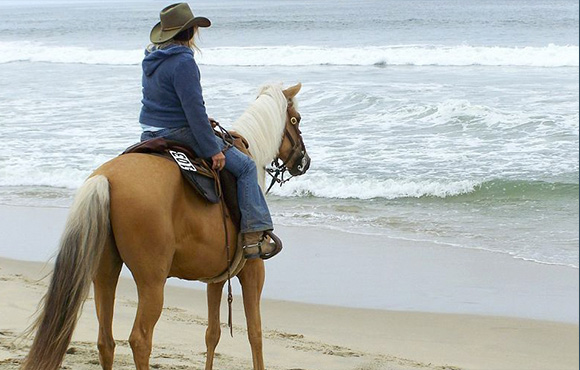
(174, 19)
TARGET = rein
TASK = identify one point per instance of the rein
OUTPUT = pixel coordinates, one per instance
(229, 261)
(228, 141)
(277, 173)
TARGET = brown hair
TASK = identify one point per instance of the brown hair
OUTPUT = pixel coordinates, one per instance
(186, 38)
(185, 35)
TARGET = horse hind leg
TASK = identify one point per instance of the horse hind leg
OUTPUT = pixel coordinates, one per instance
(105, 284)
(213, 332)
(150, 295)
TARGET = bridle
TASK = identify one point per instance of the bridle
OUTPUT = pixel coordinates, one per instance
(297, 161)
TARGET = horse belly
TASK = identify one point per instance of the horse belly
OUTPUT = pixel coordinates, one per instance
(200, 238)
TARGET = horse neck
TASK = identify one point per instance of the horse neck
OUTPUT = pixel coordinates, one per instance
(262, 125)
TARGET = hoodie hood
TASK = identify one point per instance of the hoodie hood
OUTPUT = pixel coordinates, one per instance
(154, 57)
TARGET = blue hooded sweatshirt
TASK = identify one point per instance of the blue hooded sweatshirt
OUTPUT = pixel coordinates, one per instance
(172, 96)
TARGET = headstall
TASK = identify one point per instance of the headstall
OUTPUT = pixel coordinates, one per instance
(278, 168)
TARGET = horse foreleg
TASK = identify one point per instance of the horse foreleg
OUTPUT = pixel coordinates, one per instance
(105, 283)
(252, 281)
(213, 332)
(149, 309)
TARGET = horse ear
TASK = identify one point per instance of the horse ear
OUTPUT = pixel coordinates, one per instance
(291, 92)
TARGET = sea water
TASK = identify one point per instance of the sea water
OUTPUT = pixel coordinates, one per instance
(454, 122)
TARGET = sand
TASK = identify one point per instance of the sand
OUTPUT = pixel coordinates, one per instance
(487, 311)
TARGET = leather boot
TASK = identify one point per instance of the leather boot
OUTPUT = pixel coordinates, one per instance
(263, 244)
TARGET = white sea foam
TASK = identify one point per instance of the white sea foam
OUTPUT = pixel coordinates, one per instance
(418, 55)
(20, 51)
(345, 188)
(31, 175)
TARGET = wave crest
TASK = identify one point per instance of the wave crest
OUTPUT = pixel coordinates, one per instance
(416, 55)
(343, 188)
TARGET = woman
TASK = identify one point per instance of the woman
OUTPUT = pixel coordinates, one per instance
(173, 108)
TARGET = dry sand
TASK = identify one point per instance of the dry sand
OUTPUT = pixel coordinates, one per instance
(297, 336)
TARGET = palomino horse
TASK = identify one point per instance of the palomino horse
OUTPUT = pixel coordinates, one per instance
(137, 210)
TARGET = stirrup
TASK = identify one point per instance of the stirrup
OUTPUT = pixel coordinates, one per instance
(276, 245)
(258, 245)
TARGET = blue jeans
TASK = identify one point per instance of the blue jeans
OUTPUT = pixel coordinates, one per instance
(253, 207)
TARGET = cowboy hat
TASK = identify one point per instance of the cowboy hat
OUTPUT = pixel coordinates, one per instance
(174, 19)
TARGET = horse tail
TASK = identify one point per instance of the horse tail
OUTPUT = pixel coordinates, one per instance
(86, 231)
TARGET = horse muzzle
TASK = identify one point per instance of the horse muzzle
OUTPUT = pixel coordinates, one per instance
(301, 165)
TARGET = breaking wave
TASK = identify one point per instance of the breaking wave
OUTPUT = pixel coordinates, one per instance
(396, 189)
(400, 55)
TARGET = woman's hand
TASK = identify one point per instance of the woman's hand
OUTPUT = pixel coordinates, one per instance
(218, 161)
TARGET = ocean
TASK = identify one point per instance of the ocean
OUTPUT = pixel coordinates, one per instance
(454, 122)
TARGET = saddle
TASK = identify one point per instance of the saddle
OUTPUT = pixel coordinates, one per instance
(197, 171)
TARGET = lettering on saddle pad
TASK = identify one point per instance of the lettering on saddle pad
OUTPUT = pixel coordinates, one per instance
(182, 161)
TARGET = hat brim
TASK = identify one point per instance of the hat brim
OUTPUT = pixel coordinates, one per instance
(158, 36)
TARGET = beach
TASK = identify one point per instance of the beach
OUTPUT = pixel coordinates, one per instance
(496, 312)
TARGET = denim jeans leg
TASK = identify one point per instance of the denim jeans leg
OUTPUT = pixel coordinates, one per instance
(253, 206)
(181, 134)
(147, 135)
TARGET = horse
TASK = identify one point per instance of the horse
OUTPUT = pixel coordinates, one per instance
(137, 210)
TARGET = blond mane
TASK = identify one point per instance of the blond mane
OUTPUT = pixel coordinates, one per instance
(262, 124)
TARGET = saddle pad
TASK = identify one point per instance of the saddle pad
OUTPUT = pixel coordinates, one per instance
(204, 184)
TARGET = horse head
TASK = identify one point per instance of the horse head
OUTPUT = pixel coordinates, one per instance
(292, 151)
(270, 125)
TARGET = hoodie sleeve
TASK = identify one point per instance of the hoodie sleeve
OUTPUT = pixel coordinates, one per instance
(188, 87)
